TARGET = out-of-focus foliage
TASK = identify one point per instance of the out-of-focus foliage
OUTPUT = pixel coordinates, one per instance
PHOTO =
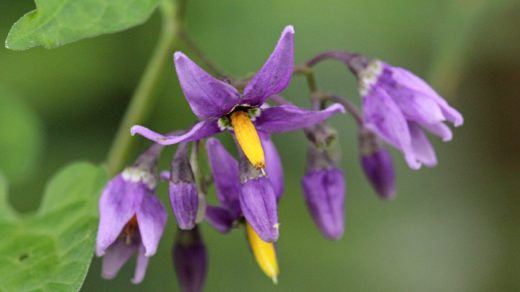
(20, 138)
(51, 250)
(58, 22)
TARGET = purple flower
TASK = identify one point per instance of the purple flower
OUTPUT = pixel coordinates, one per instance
(184, 197)
(379, 170)
(398, 106)
(252, 196)
(324, 191)
(190, 260)
(131, 219)
(219, 106)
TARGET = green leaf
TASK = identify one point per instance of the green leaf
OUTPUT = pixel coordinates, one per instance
(51, 250)
(21, 137)
(57, 22)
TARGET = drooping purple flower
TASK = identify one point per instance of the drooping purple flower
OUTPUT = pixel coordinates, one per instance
(131, 219)
(241, 191)
(219, 106)
(324, 191)
(398, 106)
(190, 260)
(184, 196)
(377, 164)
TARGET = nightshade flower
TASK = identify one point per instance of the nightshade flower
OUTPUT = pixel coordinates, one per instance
(190, 260)
(184, 196)
(398, 106)
(219, 106)
(242, 191)
(131, 219)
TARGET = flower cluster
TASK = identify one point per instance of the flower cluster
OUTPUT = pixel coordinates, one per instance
(397, 108)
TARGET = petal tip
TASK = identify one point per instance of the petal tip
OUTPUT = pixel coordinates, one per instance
(177, 56)
(288, 29)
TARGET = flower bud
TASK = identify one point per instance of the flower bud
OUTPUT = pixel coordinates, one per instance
(190, 260)
(323, 183)
(258, 201)
(324, 191)
(184, 197)
(377, 165)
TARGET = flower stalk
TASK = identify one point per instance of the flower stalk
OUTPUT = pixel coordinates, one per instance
(144, 97)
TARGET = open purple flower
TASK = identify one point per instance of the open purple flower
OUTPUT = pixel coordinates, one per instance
(398, 106)
(131, 219)
(219, 106)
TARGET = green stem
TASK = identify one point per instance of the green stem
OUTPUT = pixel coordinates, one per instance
(143, 99)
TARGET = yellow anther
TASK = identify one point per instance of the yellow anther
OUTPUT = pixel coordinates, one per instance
(264, 253)
(248, 138)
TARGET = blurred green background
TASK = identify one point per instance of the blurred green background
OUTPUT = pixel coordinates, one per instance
(452, 228)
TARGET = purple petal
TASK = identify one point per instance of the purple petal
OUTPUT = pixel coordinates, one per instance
(199, 131)
(208, 97)
(140, 266)
(287, 118)
(225, 175)
(440, 130)
(184, 200)
(324, 192)
(151, 217)
(258, 203)
(422, 148)
(379, 169)
(383, 117)
(221, 219)
(276, 73)
(418, 108)
(410, 80)
(115, 258)
(273, 165)
(117, 205)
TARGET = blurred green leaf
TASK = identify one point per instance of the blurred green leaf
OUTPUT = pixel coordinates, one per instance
(52, 249)
(21, 137)
(57, 22)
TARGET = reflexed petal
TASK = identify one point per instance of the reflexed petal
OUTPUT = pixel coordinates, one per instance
(199, 131)
(324, 192)
(422, 148)
(184, 200)
(383, 117)
(140, 266)
(225, 175)
(379, 169)
(276, 73)
(151, 217)
(258, 203)
(417, 108)
(115, 258)
(410, 80)
(287, 118)
(273, 165)
(440, 130)
(116, 207)
(208, 97)
(221, 219)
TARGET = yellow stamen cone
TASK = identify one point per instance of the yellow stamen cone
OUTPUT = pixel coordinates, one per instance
(264, 253)
(248, 138)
